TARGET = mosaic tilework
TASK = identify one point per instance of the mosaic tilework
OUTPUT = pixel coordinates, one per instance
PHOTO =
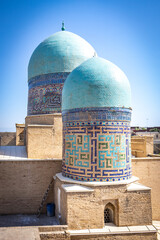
(96, 150)
(105, 113)
(45, 93)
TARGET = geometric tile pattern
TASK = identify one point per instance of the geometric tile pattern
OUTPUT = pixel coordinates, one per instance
(94, 113)
(96, 152)
(45, 93)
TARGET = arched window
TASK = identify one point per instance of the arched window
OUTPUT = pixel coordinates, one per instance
(109, 213)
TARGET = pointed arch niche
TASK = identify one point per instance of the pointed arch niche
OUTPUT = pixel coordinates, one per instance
(111, 212)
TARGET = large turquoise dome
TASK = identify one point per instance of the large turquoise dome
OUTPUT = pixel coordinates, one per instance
(96, 83)
(61, 52)
(96, 119)
(50, 64)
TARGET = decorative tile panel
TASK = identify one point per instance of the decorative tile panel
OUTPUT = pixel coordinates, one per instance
(45, 93)
(96, 149)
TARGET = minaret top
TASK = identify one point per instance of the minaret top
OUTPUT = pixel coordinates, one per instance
(63, 28)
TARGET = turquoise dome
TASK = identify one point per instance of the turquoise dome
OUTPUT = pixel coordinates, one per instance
(96, 83)
(61, 52)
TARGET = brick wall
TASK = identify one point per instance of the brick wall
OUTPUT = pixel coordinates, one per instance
(7, 139)
(148, 171)
(23, 184)
(40, 142)
(141, 146)
(86, 209)
(20, 134)
(44, 136)
(123, 236)
(55, 236)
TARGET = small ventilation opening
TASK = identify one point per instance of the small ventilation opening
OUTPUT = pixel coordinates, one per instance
(108, 216)
(109, 212)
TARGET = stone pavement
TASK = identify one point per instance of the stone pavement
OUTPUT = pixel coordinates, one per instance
(32, 233)
(111, 228)
(19, 233)
(157, 226)
(23, 227)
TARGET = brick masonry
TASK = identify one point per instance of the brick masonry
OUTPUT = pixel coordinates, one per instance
(44, 136)
(55, 235)
(142, 145)
(148, 171)
(7, 139)
(20, 134)
(81, 210)
(23, 184)
(124, 236)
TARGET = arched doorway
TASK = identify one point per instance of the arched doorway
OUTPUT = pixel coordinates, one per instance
(109, 213)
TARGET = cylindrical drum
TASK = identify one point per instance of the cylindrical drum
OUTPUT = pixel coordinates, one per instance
(96, 118)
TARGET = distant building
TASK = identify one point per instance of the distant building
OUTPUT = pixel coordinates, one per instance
(149, 131)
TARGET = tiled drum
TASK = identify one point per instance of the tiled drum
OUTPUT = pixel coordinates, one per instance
(96, 116)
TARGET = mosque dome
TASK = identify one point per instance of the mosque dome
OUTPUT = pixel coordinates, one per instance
(96, 119)
(61, 52)
(96, 83)
(50, 64)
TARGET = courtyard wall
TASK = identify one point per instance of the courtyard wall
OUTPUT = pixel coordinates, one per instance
(148, 171)
(24, 182)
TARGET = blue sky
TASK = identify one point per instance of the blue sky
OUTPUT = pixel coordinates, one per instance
(126, 32)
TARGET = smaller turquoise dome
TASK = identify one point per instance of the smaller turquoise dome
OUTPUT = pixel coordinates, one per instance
(61, 52)
(96, 83)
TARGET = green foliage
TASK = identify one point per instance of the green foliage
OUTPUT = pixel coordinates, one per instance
(154, 130)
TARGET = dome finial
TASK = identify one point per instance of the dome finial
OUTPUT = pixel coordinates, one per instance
(63, 28)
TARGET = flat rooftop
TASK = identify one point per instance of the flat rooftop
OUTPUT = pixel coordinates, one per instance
(17, 153)
(13, 153)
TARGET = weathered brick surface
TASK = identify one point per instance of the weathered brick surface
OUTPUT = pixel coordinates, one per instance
(86, 210)
(134, 208)
(141, 146)
(55, 235)
(23, 184)
(53, 228)
(121, 236)
(44, 136)
(148, 171)
(7, 139)
(20, 134)
(41, 119)
(136, 236)
(40, 142)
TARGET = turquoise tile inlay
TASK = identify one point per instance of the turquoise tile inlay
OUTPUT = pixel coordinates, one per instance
(95, 146)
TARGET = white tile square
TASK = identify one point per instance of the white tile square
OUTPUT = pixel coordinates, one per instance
(137, 228)
(151, 227)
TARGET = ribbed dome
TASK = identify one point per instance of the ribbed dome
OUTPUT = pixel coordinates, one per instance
(96, 83)
(61, 52)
